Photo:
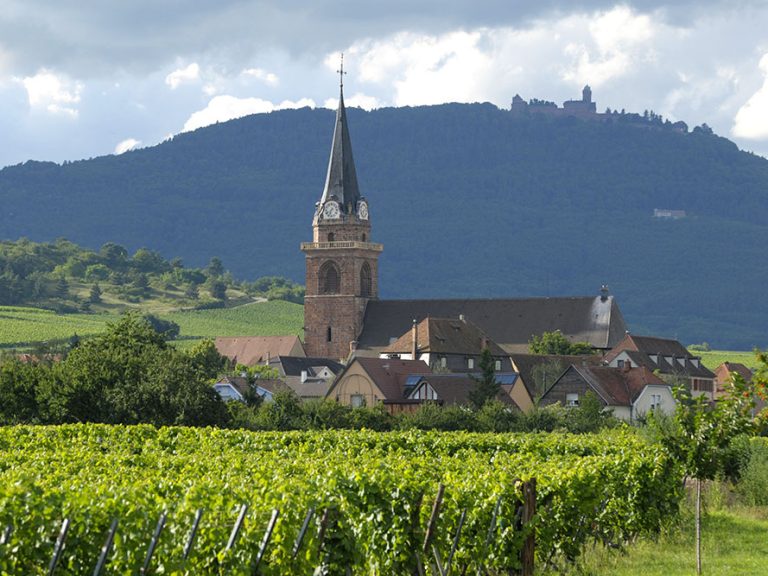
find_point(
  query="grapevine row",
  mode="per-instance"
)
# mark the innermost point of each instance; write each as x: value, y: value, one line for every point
x: 379, y: 486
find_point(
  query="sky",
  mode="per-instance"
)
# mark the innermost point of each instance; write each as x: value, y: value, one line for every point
x: 86, y: 78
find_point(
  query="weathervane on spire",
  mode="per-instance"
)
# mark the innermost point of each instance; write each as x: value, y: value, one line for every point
x: 341, y: 72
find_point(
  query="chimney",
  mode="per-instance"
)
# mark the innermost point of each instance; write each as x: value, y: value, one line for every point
x: 604, y: 293
x: 462, y: 318
x: 414, y: 341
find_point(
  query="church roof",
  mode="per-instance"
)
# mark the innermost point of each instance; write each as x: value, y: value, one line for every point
x: 509, y: 322
x: 251, y: 350
x: 445, y: 336
x: 341, y: 180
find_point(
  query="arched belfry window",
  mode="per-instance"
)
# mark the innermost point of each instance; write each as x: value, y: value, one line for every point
x: 366, y: 284
x: 330, y: 278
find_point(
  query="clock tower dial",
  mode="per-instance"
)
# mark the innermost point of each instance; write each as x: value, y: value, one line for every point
x: 362, y: 210
x: 331, y: 210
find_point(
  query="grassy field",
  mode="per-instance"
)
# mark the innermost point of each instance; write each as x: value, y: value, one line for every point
x: 714, y: 358
x: 255, y: 319
x: 733, y: 543
x: 23, y: 327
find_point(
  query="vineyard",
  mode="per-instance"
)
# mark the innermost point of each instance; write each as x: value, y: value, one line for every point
x: 372, y: 495
x: 22, y: 327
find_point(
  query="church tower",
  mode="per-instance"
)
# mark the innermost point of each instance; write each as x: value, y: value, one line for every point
x: 342, y: 262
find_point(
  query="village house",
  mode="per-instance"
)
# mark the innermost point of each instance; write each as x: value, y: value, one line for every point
x: 447, y: 389
x: 368, y: 381
x: 310, y: 378
x: 447, y: 345
x: 629, y: 393
x: 238, y: 388
x: 539, y: 371
x: 668, y: 358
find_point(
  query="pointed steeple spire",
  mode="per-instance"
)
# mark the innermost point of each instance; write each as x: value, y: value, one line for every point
x: 341, y: 180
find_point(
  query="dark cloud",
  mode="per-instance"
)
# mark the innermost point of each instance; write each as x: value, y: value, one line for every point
x: 90, y: 38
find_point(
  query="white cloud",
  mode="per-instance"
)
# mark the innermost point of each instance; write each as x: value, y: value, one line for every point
x: 55, y: 94
x: 127, y: 144
x: 357, y: 100
x: 268, y: 78
x: 426, y: 69
x: 225, y: 107
x: 183, y: 76
x: 751, y: 120
x: 618, y: 40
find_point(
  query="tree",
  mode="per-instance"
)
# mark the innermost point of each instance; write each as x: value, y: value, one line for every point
x: 556, y: 343
x: 486, y: 386
x: 206, y: 358
x: 62, y: 287
x: 94, y: 297
x: 217, y: 289
x: 544, y: 374
x: 168, y: 329
x: 699, y: 435
x: 215, y: 267
x: 129, y: 375
x: 114, y: 255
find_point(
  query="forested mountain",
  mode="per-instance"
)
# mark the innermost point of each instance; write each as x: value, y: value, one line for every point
x: 468, y: 200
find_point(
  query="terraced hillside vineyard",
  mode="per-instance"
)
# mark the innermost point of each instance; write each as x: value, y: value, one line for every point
x: 603, y: 487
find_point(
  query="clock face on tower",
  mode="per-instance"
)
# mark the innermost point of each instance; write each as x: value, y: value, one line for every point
x: 362, y: 211
x: 331, y: 210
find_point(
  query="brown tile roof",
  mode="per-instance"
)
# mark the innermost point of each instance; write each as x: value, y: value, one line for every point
x: 509, y: 322
x: 617, y: 386
x: 724, y: 371
x: 390, y: 374
x: 726, y: 368
x: 251, y: 350
x: 642, y: 349
x: 445, y: 336
x: 527, y: 364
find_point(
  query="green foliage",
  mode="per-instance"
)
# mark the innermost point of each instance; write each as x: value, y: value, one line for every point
x: 168, y: 329
x: 53, y: 275
x: 486, y: 386
x: 588, y: 416
x: 603, y: 487
x: 752, y: 486
x: 699, y: 433
x: 207, y: 359
x: 556, y: 343
x: 128, y: 374
x: 94, y: 297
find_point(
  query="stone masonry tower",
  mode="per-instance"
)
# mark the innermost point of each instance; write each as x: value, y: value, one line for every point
x: 342, y: 262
